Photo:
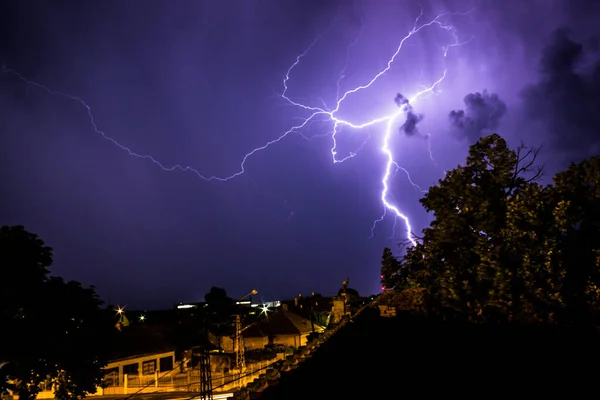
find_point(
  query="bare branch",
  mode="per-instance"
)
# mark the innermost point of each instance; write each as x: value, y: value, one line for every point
x: 526, y: 158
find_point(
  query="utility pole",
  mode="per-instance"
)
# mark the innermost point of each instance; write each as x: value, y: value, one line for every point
x: 240, y: 357
x: 204, y: 364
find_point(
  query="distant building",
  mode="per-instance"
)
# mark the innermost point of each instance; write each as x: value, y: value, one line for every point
x: 280, y: 328
x: 190, y: 306
x: 340, y: 310
x: 138, y: 366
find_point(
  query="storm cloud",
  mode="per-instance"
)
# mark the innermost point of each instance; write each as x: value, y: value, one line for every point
x: 482, y: 115
x: 566, y: 98
x: 409, y: 127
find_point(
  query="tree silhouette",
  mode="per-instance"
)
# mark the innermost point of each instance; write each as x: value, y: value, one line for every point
x: 220, y: 309
x: 390, y: 268
x: 24, y: 262
x: 82, y: 334
x: 575, y: 201
x: 503, y: 247
x: 55, y: 331
x: 217, y: 297
x: 468, y: 260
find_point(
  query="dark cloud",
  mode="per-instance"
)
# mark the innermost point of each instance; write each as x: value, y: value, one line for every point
x: 566, y: 99
x: 400, y: 100
x: 409, y: 127
x: 482, y: 115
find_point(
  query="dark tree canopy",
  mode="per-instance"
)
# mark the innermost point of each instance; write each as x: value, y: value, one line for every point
x: 575, y: 198
x: 390, y: 268
x: 220, y: 307
x: 502, y: 247
x: 24, y: 262
x: 216, y: 295
x: 56, y: 330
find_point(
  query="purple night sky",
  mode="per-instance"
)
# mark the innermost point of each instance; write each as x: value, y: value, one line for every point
x: 200, y: 83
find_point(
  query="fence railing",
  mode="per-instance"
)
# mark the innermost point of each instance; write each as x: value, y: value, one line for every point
x: 188, y: 381
x: 175, y: 381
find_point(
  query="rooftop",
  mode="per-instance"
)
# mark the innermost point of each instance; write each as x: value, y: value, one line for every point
x: 280, y: 323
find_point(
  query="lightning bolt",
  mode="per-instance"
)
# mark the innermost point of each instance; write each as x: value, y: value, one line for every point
x: 391, y: 165
x: 317, y: 114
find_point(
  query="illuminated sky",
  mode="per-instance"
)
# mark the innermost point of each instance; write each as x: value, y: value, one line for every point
x: 200, y: 85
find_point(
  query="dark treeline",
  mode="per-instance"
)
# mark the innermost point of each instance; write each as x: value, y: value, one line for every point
x: 52, y: 330
x: 60, y: 335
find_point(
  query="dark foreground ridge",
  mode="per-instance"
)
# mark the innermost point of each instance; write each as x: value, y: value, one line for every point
x: 404, y: 356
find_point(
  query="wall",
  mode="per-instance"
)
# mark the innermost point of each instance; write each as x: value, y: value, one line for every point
x: 339, y: 310
x: 286, y: 340
x: 220, y: 362
x: 252, y: 343
x: 226, y: 344
x: 123, y: 364
x: 291, y: 340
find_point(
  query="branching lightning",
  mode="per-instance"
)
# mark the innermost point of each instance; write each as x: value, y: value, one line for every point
x: 391, y: 165
x: 317, y: 114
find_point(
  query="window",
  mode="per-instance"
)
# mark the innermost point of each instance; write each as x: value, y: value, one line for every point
x: 166, y: 364
x: 130, y: 369
x: 148, y: 367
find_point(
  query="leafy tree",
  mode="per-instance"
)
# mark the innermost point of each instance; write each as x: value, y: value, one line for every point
x: 469, y: 259
x: 56, y: 331
x: 219, y: 305
x: 390, y: 268
x: 219, y: 312
x: 576, y: 210
x: 502, y: 247
x: 409, y: 299
x: 81, y: 333
x: 24, y: 262
x: 322, y: 318
x: 393, y: 274
x: 216, y: 295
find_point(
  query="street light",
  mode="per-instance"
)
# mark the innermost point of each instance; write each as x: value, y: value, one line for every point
x: 264, y: 309
x: 123, y: 321
x: 252, y: 293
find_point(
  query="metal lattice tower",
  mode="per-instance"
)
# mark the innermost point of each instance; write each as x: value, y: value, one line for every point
x: 240, y: 358
x: 205, y: 372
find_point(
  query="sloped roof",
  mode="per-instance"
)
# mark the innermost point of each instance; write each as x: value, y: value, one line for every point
x: 254, y: 330
x: 280, y: 323
x: 303, y: 325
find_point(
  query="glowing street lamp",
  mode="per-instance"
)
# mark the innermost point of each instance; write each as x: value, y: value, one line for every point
x: 264, y: 309
x: 123, y: 321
